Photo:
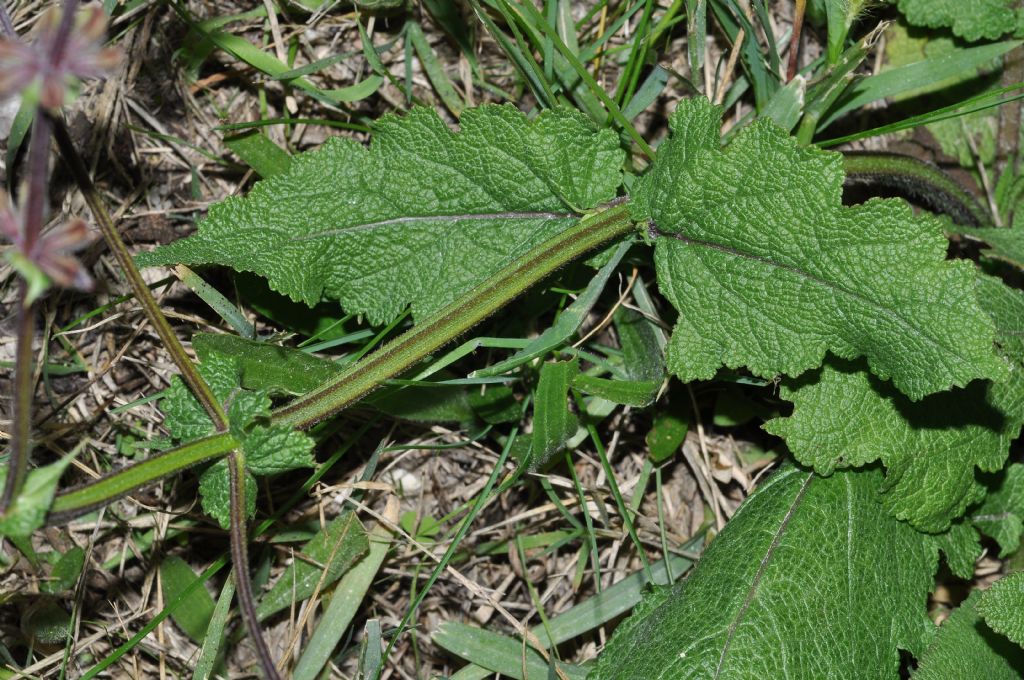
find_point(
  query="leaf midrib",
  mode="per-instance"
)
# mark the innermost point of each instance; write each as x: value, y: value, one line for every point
x: 762, y: 567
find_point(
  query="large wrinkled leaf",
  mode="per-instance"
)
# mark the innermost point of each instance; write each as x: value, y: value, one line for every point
x: 1001, y: 515
x: 419, y: 217
x: 966, y: 649
x: 811, y: 578
x: 845, y: 417
x: 1002, y: 605
x: 969, y: 19
x: 769, y: 270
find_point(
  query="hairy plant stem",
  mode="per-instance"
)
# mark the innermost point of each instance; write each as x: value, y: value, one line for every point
x: 21, y: 427
x: 387, y: 362
x: 145, y: 298
x: 34, y: 208
x: 923, y: 183
x: 794, y: 42
x: 455, y: 319
x: 195, y: 381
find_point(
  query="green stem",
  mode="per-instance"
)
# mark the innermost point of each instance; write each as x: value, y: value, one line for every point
x: 926, y: 184
x: 455, y: 319
x: 390, y: 360
x: 145, y: 298
x: 21, y: 425
x: 80, y: 500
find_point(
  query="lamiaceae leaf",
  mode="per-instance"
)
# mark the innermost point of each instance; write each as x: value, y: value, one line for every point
x: 972, y: 20
x: 769, y: 270
x: 184, y: 416
x: 811, y: 578
x: 845, y: 417
x: 215, y: 493
x: 966, y: 649
x: 1001, y: 515
x: 1002, y: 606
x: 419, y: 217
x: 1005, y: 244
x: 268, y: 449
x: 961, y: 547
x: 1006, y: 307
x: 277, y: 448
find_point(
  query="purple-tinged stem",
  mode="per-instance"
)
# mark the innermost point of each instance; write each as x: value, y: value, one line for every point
x: 32, y: 224
x: 21, y: 429
x: 67, y: 22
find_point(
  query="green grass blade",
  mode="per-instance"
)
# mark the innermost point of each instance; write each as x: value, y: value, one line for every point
x: 981, y: 102
x: 344, y: 604
x: 217, y: 302
x: 434, y: 70
x: 916, y: 76
x: 215, y: 634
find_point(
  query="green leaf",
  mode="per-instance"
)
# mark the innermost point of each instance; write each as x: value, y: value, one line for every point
x: 1006, y: 307
x: 269, y: 449
x: 498, y: 653
x: 810, y: 579
x: 965, y: 649
x: 667, y: 434
x: 769, y: 270
x: 193, y: 616
x: 638, y: 393
x: 215, y: 493
x: 641, y: 344
x: 1004, y: 244
x: 974, y: 20
x: 344, y: 605
x: 845, y: 417
x: 245, y: 409
x: 335, y: 548
x: 553, y: 422
x: 259, y: 153
x: 1002, y: 606
x: 27, y: 511
x: 1001, y: 515
x: 418, y: 218
x: 184, y: 416
x: 65, y: 573
x: 266, y: 366
x: 277, y: 448
x: 961, y: 547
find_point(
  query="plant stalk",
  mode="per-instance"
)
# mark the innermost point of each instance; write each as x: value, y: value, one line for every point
x: 387, y: 362
x: 32, y: 225
x: 195, y: 381
x: 149, y: 304
x: 455, y: 319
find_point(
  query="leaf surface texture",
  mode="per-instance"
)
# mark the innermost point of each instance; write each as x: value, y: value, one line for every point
x: 769, y: 270
x: 419, y: 217
x: 811, y: 578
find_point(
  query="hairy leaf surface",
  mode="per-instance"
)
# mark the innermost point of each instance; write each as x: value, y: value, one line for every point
x: 1001, y: 515
x: 769, y: 270
x: 966, y: 649
x: 1002, y: 606
x: 845, y: 417
x: 969, y: 19
x: 811, y: 578
x: 417, y: 218
x: 269, y: 449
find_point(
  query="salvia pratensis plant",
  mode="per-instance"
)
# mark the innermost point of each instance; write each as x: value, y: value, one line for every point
x: 900, y: 368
